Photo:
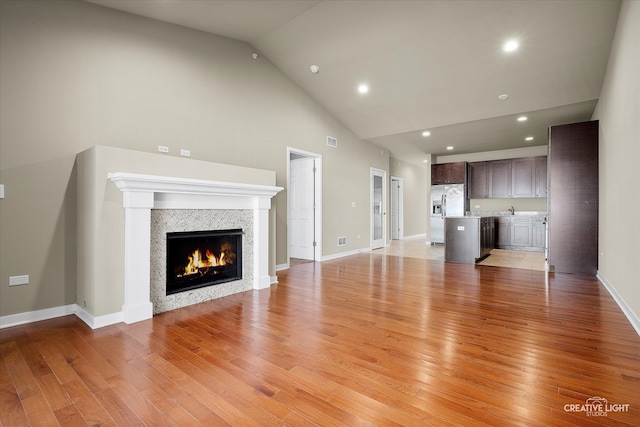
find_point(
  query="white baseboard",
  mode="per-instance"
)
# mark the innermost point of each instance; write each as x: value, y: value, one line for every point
x: 344, y: 254
x: 415, y: 236
x: 51, y: 313
x: 628, y: 312
x: 274, y: 280
x: 95, y: 322
x: 282, y: 267
x: 36, y: 316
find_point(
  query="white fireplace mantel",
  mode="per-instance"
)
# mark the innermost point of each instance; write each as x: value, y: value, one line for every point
x: 141, y: 193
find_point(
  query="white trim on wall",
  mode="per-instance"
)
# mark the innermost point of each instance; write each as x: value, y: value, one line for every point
x: 36, y: 316
x: 628, y: 312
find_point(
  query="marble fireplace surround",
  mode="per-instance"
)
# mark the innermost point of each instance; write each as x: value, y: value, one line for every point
x: 141, y: 193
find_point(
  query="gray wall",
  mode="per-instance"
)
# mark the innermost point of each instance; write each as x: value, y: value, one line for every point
x: 74, y: 75
x: 619, y: 156
x: 414, y: 181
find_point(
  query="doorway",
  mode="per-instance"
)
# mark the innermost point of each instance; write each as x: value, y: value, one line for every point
x: 397, y: 202
x: 378, y: 208
x: 304, y: 211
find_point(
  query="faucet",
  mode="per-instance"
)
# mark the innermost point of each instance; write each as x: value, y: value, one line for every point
x: 512, y: 210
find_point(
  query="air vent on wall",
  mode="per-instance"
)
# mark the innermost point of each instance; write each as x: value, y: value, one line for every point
x: 342, y: 241
x: 332, y: 142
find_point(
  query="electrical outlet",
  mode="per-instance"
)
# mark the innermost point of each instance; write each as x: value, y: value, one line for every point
x: 185, y: 153
x: 19, y: 280
x: 163, y: 149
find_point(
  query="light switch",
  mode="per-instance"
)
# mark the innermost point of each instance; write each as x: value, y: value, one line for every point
x: 1, y: 191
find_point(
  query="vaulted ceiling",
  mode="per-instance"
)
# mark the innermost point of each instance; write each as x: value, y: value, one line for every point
x: 430, y: 65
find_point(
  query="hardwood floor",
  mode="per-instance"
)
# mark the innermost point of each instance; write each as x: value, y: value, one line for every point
x: 370, y: 339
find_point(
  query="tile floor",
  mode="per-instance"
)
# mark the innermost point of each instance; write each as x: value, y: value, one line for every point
x: 515, y: 259
x: 416, y: 248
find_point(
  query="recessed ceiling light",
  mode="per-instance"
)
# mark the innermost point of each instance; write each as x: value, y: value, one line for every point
x: 314, y: 69
x: 511, y: 45
x: 255, y: 55
x: 363, y: 88
x: 426, y: 133
x: 503, y: 97
x: 529, y: 138
x: 450, y: 147
x: 522, y: 118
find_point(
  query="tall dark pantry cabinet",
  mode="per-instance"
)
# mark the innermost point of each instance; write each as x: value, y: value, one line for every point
x: 573, y: 198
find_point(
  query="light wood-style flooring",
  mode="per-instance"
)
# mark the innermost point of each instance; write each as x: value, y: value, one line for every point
x: 370, y: 339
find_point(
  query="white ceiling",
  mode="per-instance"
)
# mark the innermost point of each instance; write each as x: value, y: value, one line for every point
x: 434, y: 65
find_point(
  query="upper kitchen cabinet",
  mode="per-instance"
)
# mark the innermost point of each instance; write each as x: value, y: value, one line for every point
x: 541, y: 176
x: 529, y: 177
x: 523, y: 177
x: 478, y: 180
x: 573, y: 198
x: 500, y: 179
x: 509, y: 178
x: 449, y: 173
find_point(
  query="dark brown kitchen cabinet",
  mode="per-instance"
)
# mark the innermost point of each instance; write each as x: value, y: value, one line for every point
x: 479, y: 180
x: 503, y: 237
x: 523, y: 177
x: 509, y: 178
x: 449, y: 173
x: 529, y: 177
x: 521, y: 232
x: 573, y: 198
x: 500, y: 179
x: 541, y: 176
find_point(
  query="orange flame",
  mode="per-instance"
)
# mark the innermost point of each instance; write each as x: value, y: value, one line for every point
x: 197, y: 261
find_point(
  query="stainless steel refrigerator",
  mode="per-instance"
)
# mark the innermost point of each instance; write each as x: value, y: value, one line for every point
x: 446, y: 200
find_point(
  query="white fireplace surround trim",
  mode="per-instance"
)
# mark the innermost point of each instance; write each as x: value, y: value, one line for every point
x: 141, y: 193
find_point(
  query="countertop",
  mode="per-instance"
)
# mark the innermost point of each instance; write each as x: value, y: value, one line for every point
x: 471, y: 216
x: 480, y: 214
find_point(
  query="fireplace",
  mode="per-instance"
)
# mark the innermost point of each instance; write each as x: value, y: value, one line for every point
x: 157, y: 205
x: 197, y: 259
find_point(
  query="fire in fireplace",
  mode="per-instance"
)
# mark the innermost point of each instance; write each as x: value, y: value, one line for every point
x: 196, y: 259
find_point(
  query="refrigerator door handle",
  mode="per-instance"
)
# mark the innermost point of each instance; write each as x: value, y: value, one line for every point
x: 444, y: 205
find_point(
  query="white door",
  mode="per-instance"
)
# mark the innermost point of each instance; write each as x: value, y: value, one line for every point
x: 378, y: 208
x: 396, y: 208
x: 301, y: 208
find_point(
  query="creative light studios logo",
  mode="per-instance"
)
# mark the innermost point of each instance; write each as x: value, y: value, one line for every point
x: 596, y: 407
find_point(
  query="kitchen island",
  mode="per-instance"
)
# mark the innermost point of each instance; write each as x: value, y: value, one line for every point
x: 469, y: 239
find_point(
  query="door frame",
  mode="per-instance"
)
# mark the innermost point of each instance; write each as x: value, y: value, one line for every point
x: 383, y: 174
x: 400, y: 207
x: 317, y: 220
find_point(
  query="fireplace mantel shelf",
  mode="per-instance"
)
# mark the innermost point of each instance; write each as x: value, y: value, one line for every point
x: 165, y: 184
